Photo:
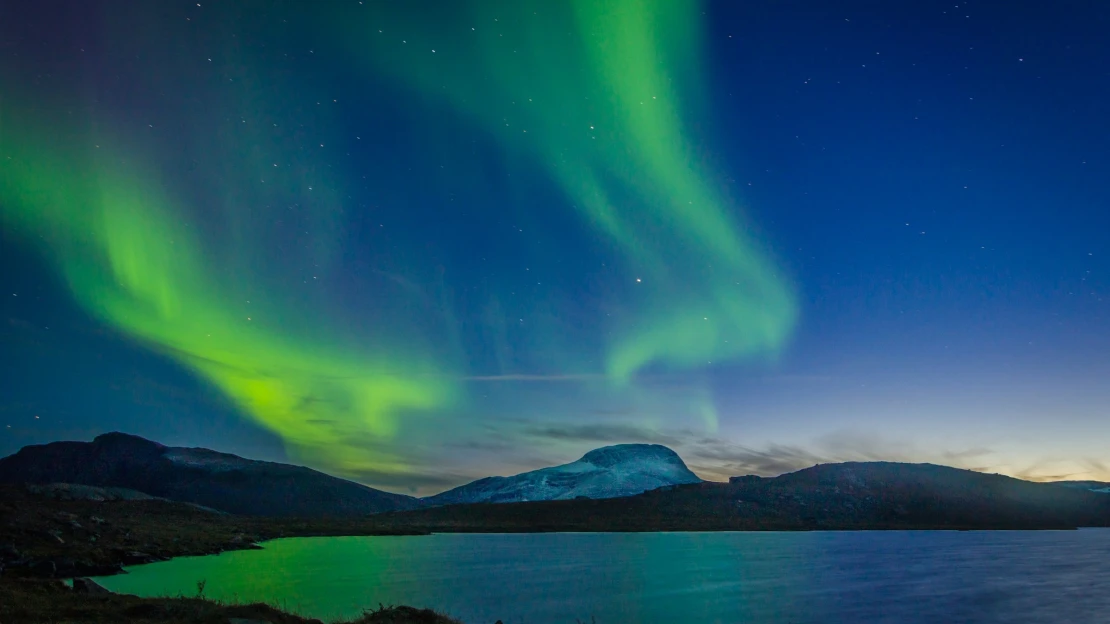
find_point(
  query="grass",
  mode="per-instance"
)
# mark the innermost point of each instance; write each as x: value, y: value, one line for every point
x: 52, y: 602
x: 43, y: 537
x: 43, y: 540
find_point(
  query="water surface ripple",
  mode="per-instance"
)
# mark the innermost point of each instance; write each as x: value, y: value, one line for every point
x: 1009, y: 577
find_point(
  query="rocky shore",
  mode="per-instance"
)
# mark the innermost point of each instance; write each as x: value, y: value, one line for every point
x: 50, y: 534
x: 66, y: 531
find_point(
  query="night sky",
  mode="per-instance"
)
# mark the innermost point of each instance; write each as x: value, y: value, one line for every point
x: 417, y: 243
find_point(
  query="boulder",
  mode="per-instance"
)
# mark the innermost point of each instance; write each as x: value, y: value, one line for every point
x: 43, y: 568
x: 135, y: 557
x: 8, y: 552
x: 88, y: 586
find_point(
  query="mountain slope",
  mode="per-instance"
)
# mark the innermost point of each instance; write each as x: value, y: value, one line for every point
x: 218, y: 480
x: 1101, y: 487
x: 608, y: 472
x: 870, y: 495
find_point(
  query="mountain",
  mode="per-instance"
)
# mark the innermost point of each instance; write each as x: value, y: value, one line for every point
x: 1101, y: 487
x: 217, y: 480
x: 857, y: 495
x: 608, y: 472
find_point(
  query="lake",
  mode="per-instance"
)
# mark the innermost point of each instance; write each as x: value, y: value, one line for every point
x: 656, y: 578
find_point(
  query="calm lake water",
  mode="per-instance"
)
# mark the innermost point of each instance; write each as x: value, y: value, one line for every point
x: 664, y: 578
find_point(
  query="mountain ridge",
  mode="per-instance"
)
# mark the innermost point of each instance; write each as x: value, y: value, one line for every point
x: 608, y: 472
x: 847, y: 496
x: 221, y: 481
x: 619, y: 487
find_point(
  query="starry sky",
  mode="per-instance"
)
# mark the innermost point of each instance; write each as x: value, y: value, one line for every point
x: 417, y: 243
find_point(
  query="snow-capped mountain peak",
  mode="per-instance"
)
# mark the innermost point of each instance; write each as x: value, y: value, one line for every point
x: 608, y: 472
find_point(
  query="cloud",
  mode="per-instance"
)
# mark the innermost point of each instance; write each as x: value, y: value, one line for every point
x: 798, y: 378
x: 1028, y: 476
x: 720, y: 459
x: 711, y: 457
x: 614, y: 412
x: 615, y: 434
x: 851, y: 445
x: 1097, y: 469
x: 522, y: 377
x: 411, y: 482
x: 967, y: 454
x: 483, y: 445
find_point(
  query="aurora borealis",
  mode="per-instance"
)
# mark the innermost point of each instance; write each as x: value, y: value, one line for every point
x: 410, y: 242
x: 130, y: 256
x: 593, y: 92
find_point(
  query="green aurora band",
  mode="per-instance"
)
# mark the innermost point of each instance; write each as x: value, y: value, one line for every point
x: 592, y: 91
x: 128, y: 259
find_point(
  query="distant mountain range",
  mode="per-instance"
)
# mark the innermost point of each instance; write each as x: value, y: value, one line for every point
x: 609, y: 472
x: 218, y: 480
x: 868, y: 495
x: 627, y: 487
x: 1101, y: 487
x: 236, y: 485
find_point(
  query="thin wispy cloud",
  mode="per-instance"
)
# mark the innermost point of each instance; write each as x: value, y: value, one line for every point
x: 523, y: 377
x: 603, y: 433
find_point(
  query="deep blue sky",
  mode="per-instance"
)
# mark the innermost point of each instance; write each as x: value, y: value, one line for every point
x: 931, y: 178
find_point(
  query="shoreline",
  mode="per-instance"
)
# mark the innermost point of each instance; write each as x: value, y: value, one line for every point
x: 51, y: 600
x: 45, y: 540
x: 51, y: 538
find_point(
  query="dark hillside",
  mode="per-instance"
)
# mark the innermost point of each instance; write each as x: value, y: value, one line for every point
x: 876, y: 495
x: 217, y: 480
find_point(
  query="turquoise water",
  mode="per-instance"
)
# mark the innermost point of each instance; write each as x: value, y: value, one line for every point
x: 663, y: 578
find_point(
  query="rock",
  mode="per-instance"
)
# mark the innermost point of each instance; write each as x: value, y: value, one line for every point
x: 135, y: 557
x: 88, y: 586
x: 17, y: 564
x: 96, y: 519
x: 65, y: 566
x: 88, y: 568
x: 8, y: 551
x: 746, y: 479
x: 43, y: 568
x: 79, y: 492
x: 246, y: 621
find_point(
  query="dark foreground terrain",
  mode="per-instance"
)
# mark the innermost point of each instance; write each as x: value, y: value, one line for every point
x: 45, y: 538
x: 56, y: 531
x: 195, y: 475
x: 50, y: 532
x: 49, y: 602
